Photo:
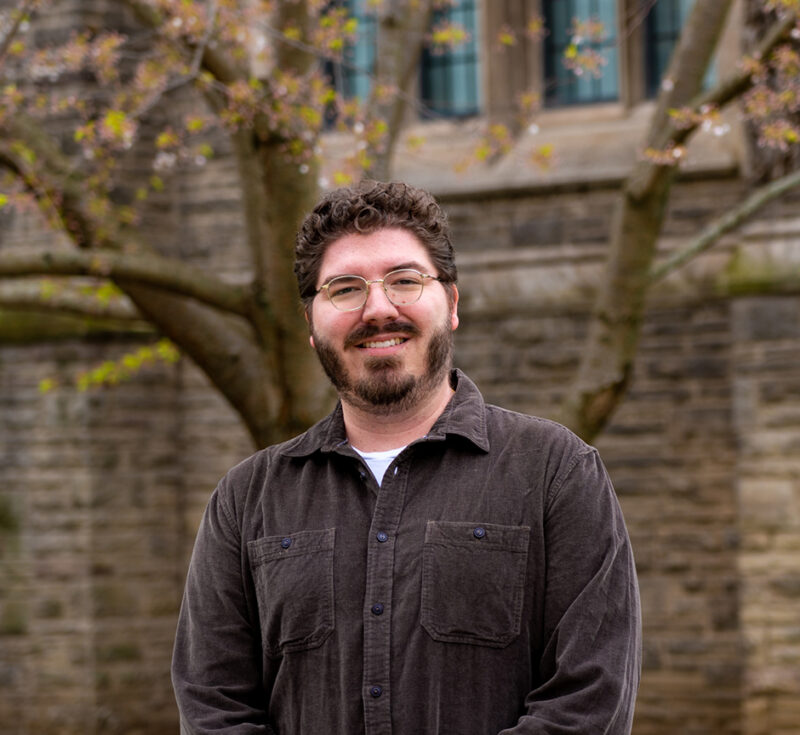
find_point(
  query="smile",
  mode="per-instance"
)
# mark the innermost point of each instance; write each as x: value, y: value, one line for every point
x: 383, y: 343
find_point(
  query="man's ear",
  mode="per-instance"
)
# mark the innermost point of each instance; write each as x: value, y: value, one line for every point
x: 454, y: 308
x: 308, y: 321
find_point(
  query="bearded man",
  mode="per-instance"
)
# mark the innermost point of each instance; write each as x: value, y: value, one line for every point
x: 419, y: 562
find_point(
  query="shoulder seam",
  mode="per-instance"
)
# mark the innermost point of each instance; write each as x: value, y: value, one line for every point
x: 561, y: 479
x: 225, y: 498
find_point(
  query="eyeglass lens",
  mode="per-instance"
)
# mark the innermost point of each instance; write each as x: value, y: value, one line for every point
x: 350, y: 292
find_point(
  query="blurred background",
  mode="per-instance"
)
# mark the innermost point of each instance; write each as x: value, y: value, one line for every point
x: 621, y: 181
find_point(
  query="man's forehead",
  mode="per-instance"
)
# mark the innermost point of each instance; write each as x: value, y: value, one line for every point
x: 382, y: 250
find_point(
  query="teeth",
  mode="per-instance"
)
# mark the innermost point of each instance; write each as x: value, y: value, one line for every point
x: 385, y: 343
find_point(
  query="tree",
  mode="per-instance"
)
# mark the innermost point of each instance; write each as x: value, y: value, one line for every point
x: 259, y: 66
x: 270, y: 99
x: 682, y: 106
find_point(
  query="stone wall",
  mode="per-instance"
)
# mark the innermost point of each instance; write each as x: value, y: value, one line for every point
x: 767, y: 408
x: 671, y: 454
x: 100, y: 492
x: 702, y: 452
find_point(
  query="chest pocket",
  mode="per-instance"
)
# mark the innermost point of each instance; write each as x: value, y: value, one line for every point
x: 473, y: 580
x: 293, y: 577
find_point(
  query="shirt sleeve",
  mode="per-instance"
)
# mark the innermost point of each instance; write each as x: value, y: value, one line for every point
x: 216, y: 664
x: 590, y: 664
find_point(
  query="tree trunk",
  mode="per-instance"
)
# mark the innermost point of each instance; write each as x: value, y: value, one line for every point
x: 616, y: 319
x: 402, y: 25
x: 288, y: 195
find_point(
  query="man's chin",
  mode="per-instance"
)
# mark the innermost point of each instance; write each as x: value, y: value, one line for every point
x: 384, y: 387
x: 382, y: 383
x: 382, y: 364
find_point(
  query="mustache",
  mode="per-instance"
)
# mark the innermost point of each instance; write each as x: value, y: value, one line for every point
x: 366, y: 331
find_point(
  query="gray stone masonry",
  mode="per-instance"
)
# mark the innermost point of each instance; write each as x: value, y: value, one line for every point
x: 101, y: 492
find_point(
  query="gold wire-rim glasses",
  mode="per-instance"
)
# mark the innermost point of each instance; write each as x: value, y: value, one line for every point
x: 400, y: 291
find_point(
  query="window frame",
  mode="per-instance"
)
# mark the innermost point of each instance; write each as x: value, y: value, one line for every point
x: 553, y: 50
x: 353, y: 76
x: 464, y: 61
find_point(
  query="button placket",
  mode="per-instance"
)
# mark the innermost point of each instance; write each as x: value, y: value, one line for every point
x: 378, y: 594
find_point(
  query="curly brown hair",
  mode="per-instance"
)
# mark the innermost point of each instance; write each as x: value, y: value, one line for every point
x: 363, y: 209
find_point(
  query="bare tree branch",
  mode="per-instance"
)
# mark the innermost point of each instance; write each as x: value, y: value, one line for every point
x: 38, y: 296
x: 729, y: 89
x: 56, y: 185
x: 401, y: 37
x: 150, y: 16
x: 210, y: 57
x: 224, y: 348
x: 154, y: 270
x: 728, y: 222
x: 26, y: 325
x: 19, y: 15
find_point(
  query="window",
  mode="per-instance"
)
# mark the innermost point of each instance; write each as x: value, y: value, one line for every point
x: 352, y: 77
x: 449, y: 79
x: 563, y: 86
x: 664, y: 23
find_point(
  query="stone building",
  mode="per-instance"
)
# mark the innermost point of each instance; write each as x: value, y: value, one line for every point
x: 101, y: 491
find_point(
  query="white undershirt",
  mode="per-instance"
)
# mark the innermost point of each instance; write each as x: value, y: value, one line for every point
x: 379, y: 461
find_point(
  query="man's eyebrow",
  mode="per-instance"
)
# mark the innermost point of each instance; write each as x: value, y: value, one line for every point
x: 413, y: 264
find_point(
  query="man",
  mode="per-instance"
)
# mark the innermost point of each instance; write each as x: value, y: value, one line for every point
x: 418, y: 562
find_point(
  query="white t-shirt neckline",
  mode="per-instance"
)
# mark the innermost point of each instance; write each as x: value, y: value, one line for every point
x: 378, y: 462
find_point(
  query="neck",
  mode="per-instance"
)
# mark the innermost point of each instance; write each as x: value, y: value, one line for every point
x: 375, y: 431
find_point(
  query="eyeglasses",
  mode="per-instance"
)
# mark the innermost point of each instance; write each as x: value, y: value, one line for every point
x: 402, y: 287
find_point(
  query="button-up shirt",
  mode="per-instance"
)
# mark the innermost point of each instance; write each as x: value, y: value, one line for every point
x: 486, y: 586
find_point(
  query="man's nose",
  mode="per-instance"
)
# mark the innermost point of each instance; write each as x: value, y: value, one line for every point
x: 377, y: 306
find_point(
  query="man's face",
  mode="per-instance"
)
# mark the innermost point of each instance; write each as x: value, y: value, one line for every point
x: 382, y: 356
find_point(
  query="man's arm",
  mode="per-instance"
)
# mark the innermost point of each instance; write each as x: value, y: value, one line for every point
x: 591, y: 659
x: 216, y: 665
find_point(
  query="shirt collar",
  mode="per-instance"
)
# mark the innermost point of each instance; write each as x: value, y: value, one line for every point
x: 464, y: 415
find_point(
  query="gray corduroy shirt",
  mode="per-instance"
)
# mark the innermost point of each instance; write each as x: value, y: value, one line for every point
x: 487, y: 586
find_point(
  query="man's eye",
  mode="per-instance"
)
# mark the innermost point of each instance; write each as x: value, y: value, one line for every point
x: 347, y: 288
x: 405, y: 282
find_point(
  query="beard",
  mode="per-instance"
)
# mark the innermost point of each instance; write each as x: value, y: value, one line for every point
x: 386, y: 388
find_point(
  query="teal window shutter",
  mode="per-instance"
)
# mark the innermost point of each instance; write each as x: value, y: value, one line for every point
x: 449, y: 78
x: 562, y: 85
x: 664, y: 23
x: 359, y: 57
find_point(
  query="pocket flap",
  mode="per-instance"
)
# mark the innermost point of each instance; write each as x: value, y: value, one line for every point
x: 280, y: 547
x: 489, y: 535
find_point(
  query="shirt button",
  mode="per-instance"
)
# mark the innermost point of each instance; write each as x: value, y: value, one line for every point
x: 375, y: 692
x: 377, y: 609
x: 382, y: 537
x: 479, y: 532
x: 286, y: 543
